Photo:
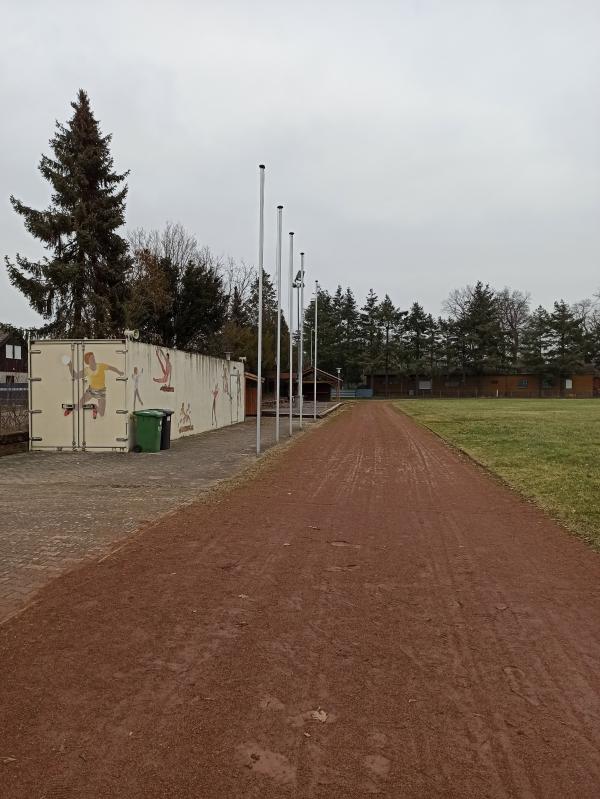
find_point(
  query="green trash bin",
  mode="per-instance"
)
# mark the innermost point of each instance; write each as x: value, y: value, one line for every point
x: 148, y: 426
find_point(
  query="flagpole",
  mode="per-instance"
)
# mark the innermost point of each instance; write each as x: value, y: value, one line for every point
x: 261, y: 242
x: 278, y: 378
x: 301, y: 331
x: 291, y: 324
x: 315, y: 371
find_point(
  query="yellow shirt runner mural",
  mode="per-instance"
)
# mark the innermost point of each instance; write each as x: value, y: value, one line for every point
x: 95, y: 374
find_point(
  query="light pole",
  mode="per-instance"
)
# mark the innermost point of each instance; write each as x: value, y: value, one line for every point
x: 261, y: 242
x: 291, y: 321
x: 299, y: 284
x: 278, y: 371
x: 301, y: 329
x: 339, y: 369
x: 316, y: 334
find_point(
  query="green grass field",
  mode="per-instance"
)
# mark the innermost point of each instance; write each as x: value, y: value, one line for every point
x: 549, y: 450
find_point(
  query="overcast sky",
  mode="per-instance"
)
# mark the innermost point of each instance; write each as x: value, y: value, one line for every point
x: 417, y: 145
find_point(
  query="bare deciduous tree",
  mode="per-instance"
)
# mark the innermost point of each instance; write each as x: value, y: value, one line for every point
x: 238, y: 276
x: 513, y: 306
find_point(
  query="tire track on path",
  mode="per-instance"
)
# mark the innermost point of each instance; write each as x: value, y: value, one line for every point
x: 444, y: 632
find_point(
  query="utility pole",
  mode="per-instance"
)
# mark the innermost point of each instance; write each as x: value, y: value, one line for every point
x: 316, y: 334
x: 278, y: 370
x: 261, y: 243
x: 291, y: 321
x: 301, y: 332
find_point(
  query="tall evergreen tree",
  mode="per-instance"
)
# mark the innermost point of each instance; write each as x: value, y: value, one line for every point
x: 350, y: 362
x: 389, y: 318
x: 81, y: 287
x: 535, y: 343
x: 269, y: 337
x: 238, y: 313
x: 479, y: 332
x: 566, y: 341
x: 415, y: 340
x: 370, y: 335
x: 201, y: 308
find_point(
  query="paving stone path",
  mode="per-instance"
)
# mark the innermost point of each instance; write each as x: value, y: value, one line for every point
x: 60, y: 508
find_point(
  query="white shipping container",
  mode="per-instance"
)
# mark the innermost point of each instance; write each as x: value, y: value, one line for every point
x: 83, y: 392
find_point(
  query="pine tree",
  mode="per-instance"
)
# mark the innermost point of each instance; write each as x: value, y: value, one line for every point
x: 81, y: 288
x: 269, y: 337
x: 350, y: 361
x: 535, y: 343
x: 389, y: 318
x: 415, y: 335
x: 238, y: 313
x: 201, y: 307
x: 479, y: 336
x: 566, y: 341
x: 370, y: 335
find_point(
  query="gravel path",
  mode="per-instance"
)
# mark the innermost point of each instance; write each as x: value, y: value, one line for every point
x: 371, y: 614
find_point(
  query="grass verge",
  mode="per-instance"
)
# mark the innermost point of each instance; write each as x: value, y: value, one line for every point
x: 549, y: 450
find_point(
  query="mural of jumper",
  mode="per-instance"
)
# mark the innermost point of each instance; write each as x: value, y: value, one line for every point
x: 95, y: 374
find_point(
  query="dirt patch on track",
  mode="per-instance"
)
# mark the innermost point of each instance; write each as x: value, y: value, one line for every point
x: 370, y: 615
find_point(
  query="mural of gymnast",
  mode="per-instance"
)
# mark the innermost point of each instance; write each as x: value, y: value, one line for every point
x: 164, y: 361
x: 185, y: 419
x: 95, y: 374
x: 215, y: 394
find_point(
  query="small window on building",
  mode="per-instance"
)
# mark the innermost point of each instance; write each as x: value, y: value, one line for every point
x: 523, y: 383
x: 9, y: 351
x: 17, y: 352
x: 568, y: 383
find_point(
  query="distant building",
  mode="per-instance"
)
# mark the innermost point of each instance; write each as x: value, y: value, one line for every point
x: 579, y: 384
x: 13, y: 357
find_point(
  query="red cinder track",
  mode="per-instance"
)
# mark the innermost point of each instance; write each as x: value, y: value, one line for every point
x: 371, y: 614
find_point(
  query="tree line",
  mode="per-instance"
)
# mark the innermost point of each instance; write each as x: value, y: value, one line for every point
x: 94, y: 283
x: 483, y: 331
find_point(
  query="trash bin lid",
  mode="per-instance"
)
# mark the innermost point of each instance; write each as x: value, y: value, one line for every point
x: 149, y: 412
x: 163, y: 411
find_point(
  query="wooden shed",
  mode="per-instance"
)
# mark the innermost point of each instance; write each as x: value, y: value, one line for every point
x: 328, y: 385
x: 251, y: 393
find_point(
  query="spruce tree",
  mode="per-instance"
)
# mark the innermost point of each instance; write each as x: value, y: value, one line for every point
x: 370, y: 335
x: 351, y: 351
x: 480, y: 332
x: 201, y: 308
x: 81, y: 287
x: 535, y: 344
x: 566, y: 341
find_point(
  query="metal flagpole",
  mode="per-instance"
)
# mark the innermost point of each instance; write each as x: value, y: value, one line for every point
x: 278, y: 378
x: 315, y: 373
x: 261, y: 242
x: 301, y: 331
x: 291, y: 323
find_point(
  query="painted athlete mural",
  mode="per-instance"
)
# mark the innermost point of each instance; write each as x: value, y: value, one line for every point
x: 95, y: 375
x: 164, y: 361
x: 135, y: 377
